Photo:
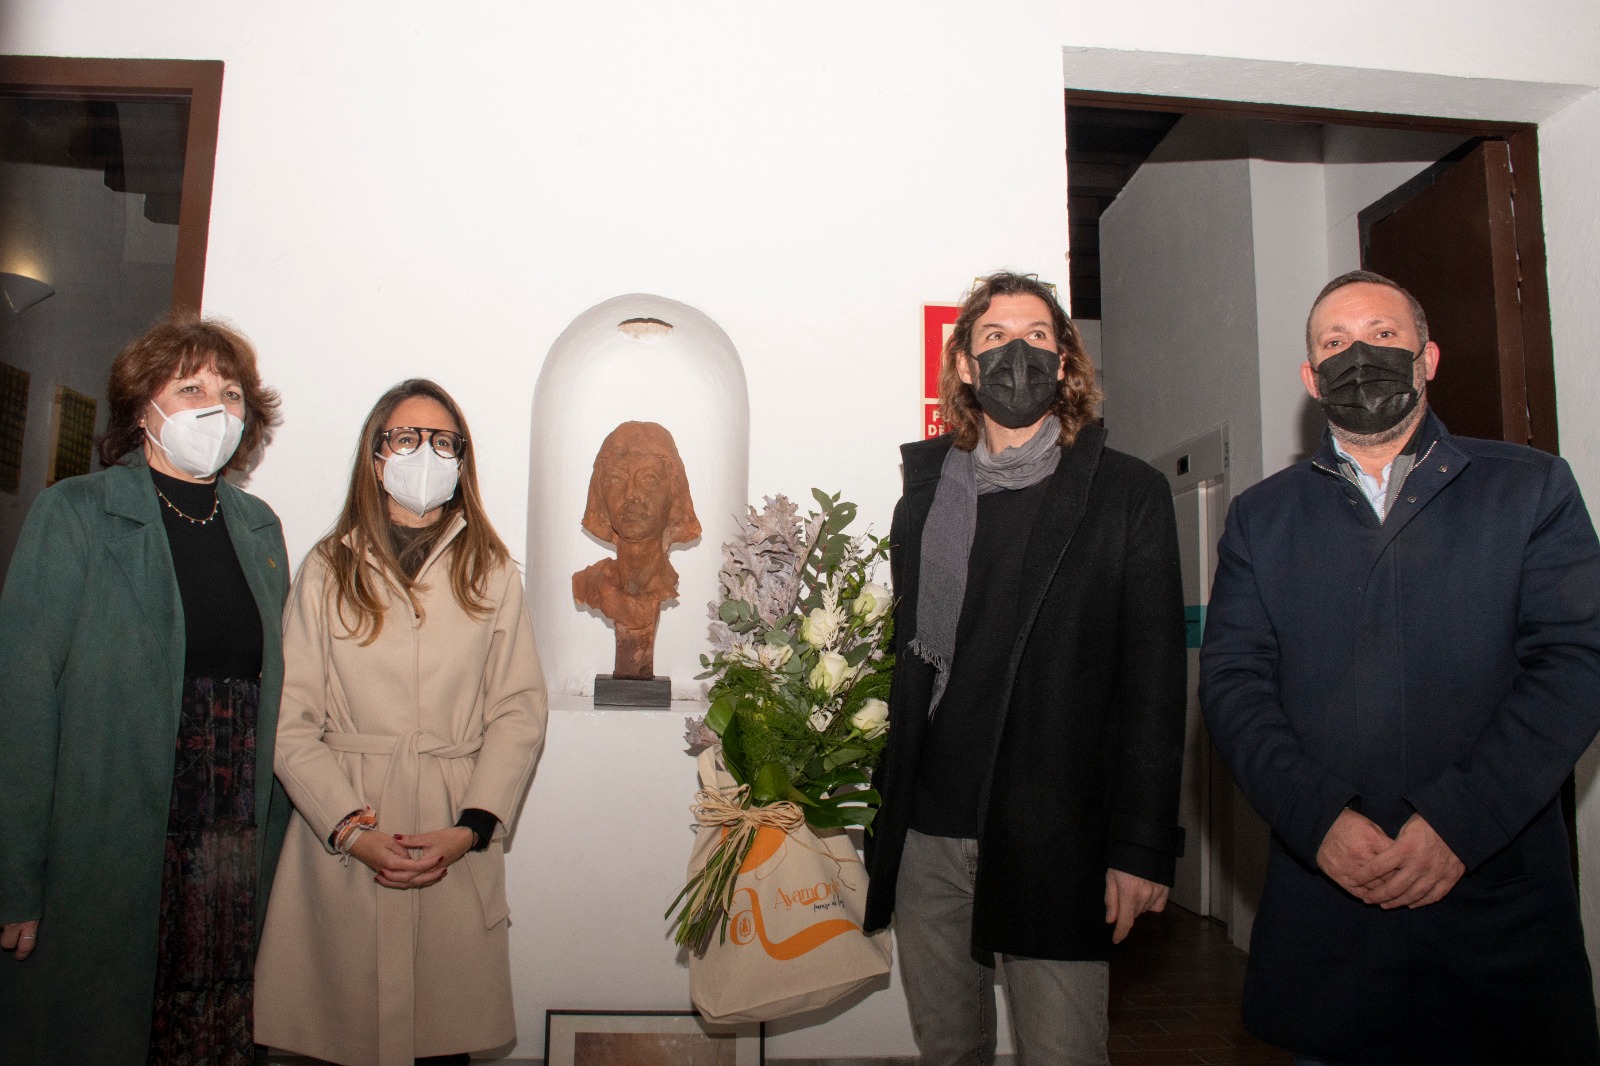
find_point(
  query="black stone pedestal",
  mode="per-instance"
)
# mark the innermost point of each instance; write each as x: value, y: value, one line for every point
x: 632, y: 691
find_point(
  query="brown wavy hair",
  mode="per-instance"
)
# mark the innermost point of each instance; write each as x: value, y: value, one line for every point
x: 1078, y: 398
x: 177, y: 347
x: 358, y: 551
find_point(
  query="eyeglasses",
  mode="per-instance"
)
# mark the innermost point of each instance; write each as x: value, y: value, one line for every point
x: 403, y: 440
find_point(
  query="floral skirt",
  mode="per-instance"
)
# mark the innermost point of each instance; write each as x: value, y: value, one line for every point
x: 206, y: 954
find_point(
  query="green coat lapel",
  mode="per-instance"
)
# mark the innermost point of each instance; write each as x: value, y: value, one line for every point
x: 139, y: 547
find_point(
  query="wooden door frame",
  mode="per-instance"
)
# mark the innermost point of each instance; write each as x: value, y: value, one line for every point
x: 195, y: 81
x: 1523, y: 141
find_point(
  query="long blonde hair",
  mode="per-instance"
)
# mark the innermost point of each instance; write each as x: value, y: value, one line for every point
x: 360, y: 538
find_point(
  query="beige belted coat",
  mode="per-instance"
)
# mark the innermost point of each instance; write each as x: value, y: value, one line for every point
x: 440, y: 713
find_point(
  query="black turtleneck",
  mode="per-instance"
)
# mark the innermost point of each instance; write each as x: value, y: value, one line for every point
x: 958, y: 746
x: 222, y: 626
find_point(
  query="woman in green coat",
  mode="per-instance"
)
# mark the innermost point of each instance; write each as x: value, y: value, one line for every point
x: 140, y: 667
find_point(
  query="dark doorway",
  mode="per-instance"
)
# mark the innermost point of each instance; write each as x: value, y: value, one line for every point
x: 105, y: 202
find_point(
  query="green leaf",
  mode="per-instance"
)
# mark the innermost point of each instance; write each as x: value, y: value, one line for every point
x: 771, y: 784
x: 843, y: 757
x: 733, y: 753
x: 839, y: 817
x: 858, y: 654
x: 720, y: 714
x: 854, y: 798
x: 823, y: 499
x: 840, y: 776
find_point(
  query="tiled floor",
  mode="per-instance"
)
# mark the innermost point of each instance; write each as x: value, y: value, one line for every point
x: 1175, y: 997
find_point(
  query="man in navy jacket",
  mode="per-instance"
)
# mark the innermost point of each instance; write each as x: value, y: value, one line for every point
x: 1401, y: 666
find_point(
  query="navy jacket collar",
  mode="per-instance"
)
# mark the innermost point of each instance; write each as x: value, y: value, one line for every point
x: 1430, y: 432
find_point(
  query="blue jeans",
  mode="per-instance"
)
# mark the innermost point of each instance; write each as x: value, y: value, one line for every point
x: 1058, y: 1009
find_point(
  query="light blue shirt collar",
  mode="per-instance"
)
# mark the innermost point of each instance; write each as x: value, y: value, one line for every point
x: 1375, y: 489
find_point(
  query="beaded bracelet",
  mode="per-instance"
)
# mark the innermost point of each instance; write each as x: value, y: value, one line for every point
x: 351, y: 826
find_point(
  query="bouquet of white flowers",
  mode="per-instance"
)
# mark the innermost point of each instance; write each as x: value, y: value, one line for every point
x: 801, y: 665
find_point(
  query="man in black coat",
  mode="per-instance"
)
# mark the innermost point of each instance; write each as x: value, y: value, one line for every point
x: 1401, y: 666
x: 1030, y: 787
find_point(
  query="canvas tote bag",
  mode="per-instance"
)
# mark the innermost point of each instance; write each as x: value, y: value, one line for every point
x: 794, y: 938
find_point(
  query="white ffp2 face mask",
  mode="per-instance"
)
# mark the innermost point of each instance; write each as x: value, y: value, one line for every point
x: 199, y: 441
x: 422, y: 480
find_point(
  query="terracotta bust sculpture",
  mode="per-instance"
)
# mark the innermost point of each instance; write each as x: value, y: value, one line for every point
x: 639, y: 502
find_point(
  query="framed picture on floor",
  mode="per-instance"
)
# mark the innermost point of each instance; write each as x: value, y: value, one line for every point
x: 648, y: 1038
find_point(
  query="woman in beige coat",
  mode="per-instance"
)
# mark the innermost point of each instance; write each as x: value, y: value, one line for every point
x: 413, y: 714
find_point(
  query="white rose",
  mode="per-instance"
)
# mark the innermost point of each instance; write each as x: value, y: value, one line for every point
x: 820, y: 720
x: 872, y: 719
x: 830, y: 672
x: 820, y: 627
x: 773, y: 656
x: 872, y: 602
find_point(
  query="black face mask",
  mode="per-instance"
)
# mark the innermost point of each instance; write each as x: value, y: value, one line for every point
x: 1017, y: 383
x: 1367, y: 389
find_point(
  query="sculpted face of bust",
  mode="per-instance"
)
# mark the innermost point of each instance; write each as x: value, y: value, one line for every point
x: 637, y: 492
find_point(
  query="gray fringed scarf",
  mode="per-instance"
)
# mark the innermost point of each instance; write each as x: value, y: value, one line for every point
x: 947, y: 535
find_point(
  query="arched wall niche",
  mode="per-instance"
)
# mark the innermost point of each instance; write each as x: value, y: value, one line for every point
x: 640, y: 358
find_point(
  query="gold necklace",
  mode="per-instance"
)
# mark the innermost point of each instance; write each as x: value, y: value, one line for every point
x: 216, y: 505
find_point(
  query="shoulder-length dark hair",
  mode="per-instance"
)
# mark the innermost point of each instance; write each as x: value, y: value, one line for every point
x: 175, y: 348
x: 1076, y: 401
x: 360, y: 538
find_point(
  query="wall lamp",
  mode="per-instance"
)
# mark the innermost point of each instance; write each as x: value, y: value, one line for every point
x: 19, y: 292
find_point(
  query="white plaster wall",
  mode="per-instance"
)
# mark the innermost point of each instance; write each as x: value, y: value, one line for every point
x: 1287, y: 201
x: 1569, y: 158
x: 403, y: 188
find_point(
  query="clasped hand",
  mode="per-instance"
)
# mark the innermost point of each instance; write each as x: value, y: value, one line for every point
x: 415, y: 861
x: 20, y: 938
x: 1413, y: 869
